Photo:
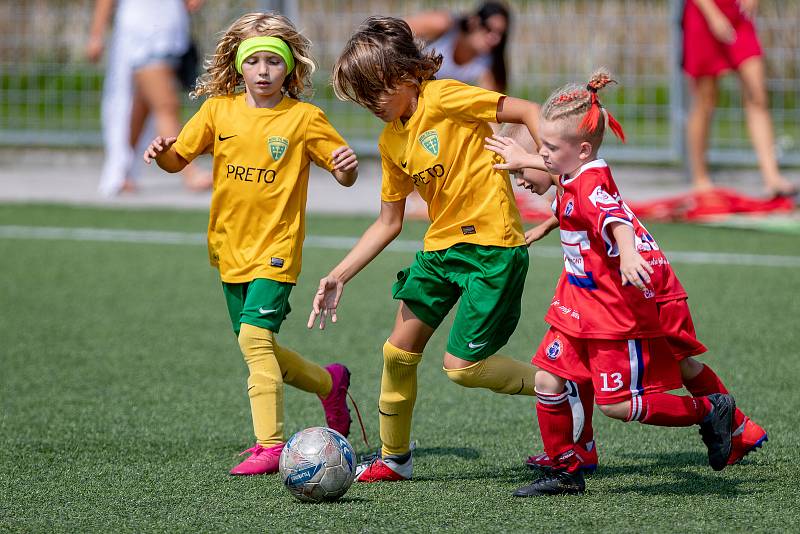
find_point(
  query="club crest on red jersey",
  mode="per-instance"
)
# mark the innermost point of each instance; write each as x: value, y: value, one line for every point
x: 277, y: 146
x: 568, y: 209
x: 553, y: 350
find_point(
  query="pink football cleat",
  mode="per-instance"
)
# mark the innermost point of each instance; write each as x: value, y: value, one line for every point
x: 337, y: 414
x: 262, y: 461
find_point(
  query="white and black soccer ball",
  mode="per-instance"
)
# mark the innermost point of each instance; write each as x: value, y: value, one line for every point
x: 318, y: 464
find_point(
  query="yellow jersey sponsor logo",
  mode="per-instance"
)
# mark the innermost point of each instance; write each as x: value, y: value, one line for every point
x: 430, y: 141
x: 277, y: 146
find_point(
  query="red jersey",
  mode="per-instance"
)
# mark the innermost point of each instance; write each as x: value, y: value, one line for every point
x: 590, y: 300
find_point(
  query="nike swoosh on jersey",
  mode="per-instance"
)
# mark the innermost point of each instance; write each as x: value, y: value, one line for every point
x: 477, y: 345
x: 221, y: 138
x: 262, y: 311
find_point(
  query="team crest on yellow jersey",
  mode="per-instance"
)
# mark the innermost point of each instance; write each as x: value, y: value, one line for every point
x: 277, y: 146
x: 430, y: 141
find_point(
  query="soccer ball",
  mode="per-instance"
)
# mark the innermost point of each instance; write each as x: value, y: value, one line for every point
x: 317, y: 464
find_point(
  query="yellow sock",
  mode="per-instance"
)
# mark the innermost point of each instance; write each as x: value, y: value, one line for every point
x: 499, y: 373
x: 398, y: 395
x: 264, y: 385
x: 303, y: 374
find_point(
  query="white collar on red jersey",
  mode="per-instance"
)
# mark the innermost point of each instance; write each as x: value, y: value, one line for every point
x: 594, y: 164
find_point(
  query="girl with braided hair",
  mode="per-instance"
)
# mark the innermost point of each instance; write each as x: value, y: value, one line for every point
x: 678, y: 327
x: 604, y: 318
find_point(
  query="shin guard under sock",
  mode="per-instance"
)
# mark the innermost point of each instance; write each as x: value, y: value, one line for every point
x: 555, y: 426
x: 264, y: 385
x: 398, y: 395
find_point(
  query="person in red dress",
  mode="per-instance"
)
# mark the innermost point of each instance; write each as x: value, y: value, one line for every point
x: 719, y: 36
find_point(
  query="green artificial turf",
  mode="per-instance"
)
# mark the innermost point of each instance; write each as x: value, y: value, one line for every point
x: 124, y: 398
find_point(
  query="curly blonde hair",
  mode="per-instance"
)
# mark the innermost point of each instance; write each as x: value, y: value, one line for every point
x: 580, y: 108
x: 221, y: 77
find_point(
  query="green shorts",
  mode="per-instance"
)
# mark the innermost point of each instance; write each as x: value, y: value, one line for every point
x: 261, y: 302
x: 488, y: 281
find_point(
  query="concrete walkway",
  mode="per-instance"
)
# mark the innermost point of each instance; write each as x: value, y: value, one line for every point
x: 71, y: 177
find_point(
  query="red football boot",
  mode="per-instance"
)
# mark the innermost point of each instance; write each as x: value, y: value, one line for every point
x: 384, y: 470
x: 587, y: 455
x: 745, y: 439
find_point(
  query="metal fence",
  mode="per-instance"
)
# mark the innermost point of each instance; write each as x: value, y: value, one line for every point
x: 50, y: 94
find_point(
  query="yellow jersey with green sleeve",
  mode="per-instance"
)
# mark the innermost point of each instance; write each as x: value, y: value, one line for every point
x: 440, y: 151
x: 261, y: 163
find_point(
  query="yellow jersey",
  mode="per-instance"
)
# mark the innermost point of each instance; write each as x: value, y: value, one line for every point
x: 440, y: 151
x: 261, y: 156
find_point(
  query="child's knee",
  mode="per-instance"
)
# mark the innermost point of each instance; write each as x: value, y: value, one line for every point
x: 620, y: 410
x: 547, y: 382
x: 394, y: 357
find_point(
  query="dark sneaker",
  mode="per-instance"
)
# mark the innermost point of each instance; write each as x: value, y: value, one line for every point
x: 555, y: 483
x: 716, y: 430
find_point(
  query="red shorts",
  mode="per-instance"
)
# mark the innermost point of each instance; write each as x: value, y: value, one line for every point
x: 678, y: 329
x: 703, y: 54
x: 620, y: 369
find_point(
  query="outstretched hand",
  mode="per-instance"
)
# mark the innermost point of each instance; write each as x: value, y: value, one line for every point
x: 158, y: 146
x: 535, y: 234
x: 507, y: 148
x: 326, y: 301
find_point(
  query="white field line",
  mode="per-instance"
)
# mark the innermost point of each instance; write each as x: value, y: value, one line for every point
x: 345, y: 243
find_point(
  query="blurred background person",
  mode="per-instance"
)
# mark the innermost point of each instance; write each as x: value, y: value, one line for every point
x: 473, y: 45
x: 718, y: 36
x: 147, y: 41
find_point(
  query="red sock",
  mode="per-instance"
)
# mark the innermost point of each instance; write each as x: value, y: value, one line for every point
x: 707, y: 382
x: 555, y: 425
x: 663, y: 409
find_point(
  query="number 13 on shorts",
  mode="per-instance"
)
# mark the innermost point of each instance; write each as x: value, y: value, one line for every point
x: 611, y: 381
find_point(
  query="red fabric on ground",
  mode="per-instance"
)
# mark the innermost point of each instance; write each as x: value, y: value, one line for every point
x: 690, y: 207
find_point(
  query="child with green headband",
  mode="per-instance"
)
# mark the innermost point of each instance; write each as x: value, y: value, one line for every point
x: 263, y: 139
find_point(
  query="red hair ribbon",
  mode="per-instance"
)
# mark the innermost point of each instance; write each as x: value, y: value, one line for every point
x: 592, y: 118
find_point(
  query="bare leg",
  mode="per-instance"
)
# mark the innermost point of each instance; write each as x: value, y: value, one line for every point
x: 139, y: 112
x: 759, y: 124
x: 157, y: 85
x: 704, y: 98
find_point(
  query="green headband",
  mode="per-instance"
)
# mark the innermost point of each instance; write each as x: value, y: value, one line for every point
x: 250, y: 46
